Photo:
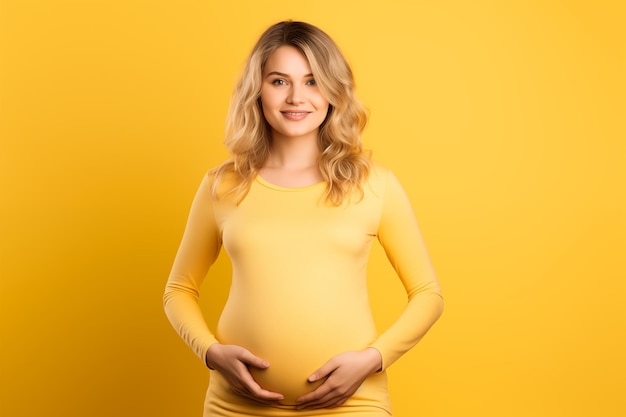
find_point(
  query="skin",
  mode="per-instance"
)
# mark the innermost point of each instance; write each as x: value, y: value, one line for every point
x: 344, y: 374
x: 294, y: 108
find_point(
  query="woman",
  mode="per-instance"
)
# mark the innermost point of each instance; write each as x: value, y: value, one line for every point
x: 297, y: 208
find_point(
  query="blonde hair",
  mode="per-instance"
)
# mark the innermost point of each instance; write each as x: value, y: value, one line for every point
x: 343, y: 163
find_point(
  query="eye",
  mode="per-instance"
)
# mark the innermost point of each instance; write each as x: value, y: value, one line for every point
x: 311, y: 82
x: 279, y: 81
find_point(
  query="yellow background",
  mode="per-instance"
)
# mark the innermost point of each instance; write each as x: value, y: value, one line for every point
x: 504, y: 120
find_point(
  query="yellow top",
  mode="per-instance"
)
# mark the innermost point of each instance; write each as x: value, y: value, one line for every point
x: 298, y: 294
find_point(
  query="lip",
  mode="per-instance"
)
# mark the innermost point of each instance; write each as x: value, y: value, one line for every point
x: 295, y: 115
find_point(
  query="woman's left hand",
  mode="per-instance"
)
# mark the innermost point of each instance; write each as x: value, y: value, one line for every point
x: 344, y: 374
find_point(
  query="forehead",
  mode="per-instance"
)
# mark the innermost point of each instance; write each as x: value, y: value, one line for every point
x: 287, y: 60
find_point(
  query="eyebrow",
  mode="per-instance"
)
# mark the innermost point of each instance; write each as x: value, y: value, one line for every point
x: 281, y: 74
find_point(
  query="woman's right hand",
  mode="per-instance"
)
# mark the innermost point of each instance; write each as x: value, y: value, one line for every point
x: 232, y: 362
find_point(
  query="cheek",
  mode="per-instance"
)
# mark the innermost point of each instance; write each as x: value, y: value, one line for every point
x: 322, y: 103
x: 263, y: 106
x: 267, y: 98
x: 326, y: 106
x: 266, y: 105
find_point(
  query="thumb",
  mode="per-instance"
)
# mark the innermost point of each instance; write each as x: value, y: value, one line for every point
x: 248, y: 358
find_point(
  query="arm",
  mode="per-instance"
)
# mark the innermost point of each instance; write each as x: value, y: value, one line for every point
x: 198, y: 250
x: 401, y: 238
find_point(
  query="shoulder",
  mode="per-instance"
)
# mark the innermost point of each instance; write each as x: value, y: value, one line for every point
x: 375, y: 185
x: 379, y: 175
x: 222, y: 178
x: 378, y: 169
x: 383, y: 183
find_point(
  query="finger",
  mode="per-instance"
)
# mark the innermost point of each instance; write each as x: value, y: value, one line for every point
x: 247, y: 394
x: 248, y: 358
x: 255, y: 390
x: 269, y: 395
x: 260, y: 400
x: 327, y: 369
x: 315, y: 396
x: 258, y: 394
x: 332, y: 399
x: 329, y: 403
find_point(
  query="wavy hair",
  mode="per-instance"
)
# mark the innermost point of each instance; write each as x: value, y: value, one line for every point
x: 343, y: 163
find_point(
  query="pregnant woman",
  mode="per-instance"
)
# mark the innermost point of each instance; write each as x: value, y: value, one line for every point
x: 296, y: 208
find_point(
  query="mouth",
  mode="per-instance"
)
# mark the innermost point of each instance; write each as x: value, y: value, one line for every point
x: 295, y: 115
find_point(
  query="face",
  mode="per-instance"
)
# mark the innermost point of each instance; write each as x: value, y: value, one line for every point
x: 291, y: 100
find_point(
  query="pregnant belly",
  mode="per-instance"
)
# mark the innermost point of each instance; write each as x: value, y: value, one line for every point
x: 288, y: 376
x: 294, y: 345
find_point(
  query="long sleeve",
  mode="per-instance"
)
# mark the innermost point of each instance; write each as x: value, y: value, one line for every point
x: 198, y: 250
x: 401, y: 238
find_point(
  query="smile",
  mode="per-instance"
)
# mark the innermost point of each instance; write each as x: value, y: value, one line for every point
x: 295, y: 115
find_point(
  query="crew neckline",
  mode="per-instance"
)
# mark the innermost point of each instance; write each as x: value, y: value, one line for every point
x: 268, y: 184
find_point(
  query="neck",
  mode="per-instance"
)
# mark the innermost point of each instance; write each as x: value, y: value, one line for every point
x: 293, y: 153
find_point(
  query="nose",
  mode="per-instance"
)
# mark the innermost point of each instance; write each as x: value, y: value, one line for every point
x: 295, y: 95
